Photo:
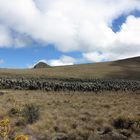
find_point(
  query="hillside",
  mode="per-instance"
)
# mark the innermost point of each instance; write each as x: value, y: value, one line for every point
x: 135, y: 60
x: 102, y: 109
x: 124, y: 69
x: 41, y: 65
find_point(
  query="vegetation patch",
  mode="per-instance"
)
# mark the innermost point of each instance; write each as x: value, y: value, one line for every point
x: 31, y: 113
x: 54, y: 116
x: 125, y: 122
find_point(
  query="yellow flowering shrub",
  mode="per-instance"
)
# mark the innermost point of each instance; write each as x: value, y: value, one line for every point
x: 21, y: 137
x: 4, y: 128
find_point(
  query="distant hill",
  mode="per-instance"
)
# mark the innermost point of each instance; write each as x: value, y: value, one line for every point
x: 41, y: 65
x: 122, y: 69
x: 134, y: 60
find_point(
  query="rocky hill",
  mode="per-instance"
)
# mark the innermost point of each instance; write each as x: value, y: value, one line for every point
x: 41, y: 65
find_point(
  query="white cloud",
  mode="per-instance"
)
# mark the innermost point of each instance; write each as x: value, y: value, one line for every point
x: 1, y: 61
x: 126, y: 43
x: 130, y: 31
x: 83, y: 25
x: 5, y: 39
x: 95, y: 57
x: 64, y: 60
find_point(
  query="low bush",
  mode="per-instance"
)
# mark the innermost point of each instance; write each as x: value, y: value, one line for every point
x: 31, y: 113
x: 123, y: 122
x: 13, y: 112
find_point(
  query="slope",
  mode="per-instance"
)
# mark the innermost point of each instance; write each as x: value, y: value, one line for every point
x: 121, y: 69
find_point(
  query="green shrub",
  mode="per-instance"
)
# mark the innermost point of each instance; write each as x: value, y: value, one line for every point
x: 31, y: 113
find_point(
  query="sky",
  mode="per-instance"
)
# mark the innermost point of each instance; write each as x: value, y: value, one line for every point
x: 67, y: 32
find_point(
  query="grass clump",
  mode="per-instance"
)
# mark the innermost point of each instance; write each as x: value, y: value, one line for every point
x: 13, y: 112
x: 125, y: 122
x: 31, y: 113
x: 3, y: 93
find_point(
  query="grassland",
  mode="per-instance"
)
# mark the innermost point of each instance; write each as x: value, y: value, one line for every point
x: 124, y: 69
x: 68, y: 115
x: 78, y: 116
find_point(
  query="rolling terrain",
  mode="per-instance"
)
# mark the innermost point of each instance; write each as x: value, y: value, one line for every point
x: 121, y: 69
x: 98, y: 101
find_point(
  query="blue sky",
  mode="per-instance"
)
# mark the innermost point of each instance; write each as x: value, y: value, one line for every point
x: 22, y: 46
x: 116, y: 24
x: 26, y: 57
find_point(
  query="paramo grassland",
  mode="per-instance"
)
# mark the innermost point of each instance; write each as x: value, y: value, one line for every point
x: 81, y: 102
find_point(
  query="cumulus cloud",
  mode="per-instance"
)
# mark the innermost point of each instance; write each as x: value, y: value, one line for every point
x: 130, y: 31
x: 95, y: 57
x: 82, y: 25
x: 5, y: 39
x: 62, y: 61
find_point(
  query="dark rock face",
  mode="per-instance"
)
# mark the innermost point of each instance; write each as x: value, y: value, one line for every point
x: 41, y: 65
x: 82, y: 85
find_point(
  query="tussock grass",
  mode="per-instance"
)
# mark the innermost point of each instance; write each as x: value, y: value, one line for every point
x: 82, y: 116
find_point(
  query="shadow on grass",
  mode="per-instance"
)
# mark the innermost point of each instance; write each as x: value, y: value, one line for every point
x: 129, y: 69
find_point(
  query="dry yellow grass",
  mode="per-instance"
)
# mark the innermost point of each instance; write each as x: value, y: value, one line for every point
x: 70, y: 115
x: 88, y: 71
x: 127, y: 69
